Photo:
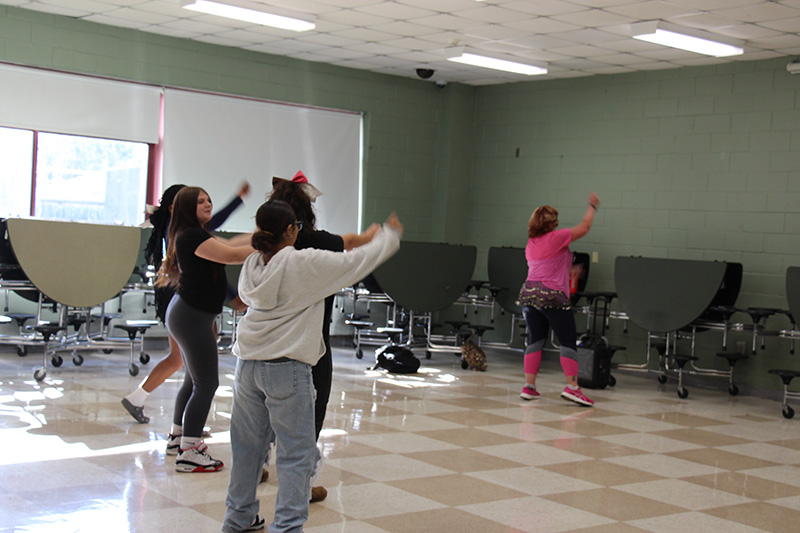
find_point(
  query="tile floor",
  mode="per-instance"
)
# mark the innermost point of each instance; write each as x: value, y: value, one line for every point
x: 444, y: 450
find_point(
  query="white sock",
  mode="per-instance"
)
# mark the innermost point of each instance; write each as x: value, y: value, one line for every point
x: 176, y: 430
x: 138, y: 397
x: 573, y: 387
x: 190, y: 442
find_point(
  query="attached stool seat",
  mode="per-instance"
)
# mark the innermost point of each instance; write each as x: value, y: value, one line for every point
x: 358, y: 323
x: 732, y: 358
x: 21, y: 319
x: 787, y: 376
x: 681, y: 361
x: 47, y: 330
x: 132, y: 327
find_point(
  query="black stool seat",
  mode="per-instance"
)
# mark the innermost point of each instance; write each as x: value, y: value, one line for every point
x: 785, y: 375
x: 136, y: 326
x: 480, y: 330
x: 759, y: 313
x: 355, y: 316
x: 359, y: 323
x: 457, y: 324
x: 20, y: 318
x: 683, y: 359
x: 732, y: 357
x: 108, y: 317
x: 48, y: 330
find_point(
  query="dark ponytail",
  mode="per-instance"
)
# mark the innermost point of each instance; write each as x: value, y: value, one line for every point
x: 272, y: 219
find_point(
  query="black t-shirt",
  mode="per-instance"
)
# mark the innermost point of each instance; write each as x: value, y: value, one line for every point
x: 322, y: 240
x: 202, y: 284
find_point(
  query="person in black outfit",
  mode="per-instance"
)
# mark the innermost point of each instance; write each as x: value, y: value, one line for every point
x: 154, y: 255
x: 300, y: 195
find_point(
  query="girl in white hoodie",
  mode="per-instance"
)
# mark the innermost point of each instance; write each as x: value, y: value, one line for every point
x: 278, y: 341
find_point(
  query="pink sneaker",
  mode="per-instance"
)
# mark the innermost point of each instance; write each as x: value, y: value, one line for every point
x: 576, y: 396
x: 529, y: 393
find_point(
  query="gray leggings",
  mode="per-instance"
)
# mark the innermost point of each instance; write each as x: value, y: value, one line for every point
x: 193, y: 329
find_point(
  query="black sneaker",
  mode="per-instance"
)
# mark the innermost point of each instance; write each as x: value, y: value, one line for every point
x: 136, y: 412
x: 257, y: 524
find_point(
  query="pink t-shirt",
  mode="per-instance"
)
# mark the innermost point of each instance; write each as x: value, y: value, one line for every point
x: 549, y: 259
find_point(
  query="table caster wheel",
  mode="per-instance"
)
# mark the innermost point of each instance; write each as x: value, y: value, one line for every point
x: 56, y: 361
x: 733, y: 390
x: 107, y: 350
x: 40, y: 373
x: 612, y: 381
x: 77, y: 359
x: 787, y: 412
x: 359, y: 354
x: 133, y: 370
x: 22, y: 351
x: 683, y: 393
x: 464, y: 364
x: 144, y: 358
x: 662, y: 379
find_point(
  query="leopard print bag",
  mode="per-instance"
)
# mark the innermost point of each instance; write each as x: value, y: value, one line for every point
x: 472, y: 356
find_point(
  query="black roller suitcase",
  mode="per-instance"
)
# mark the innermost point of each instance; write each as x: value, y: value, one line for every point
x: 594, y: 362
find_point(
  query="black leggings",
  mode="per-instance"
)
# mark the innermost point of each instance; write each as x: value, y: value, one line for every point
x: 322, y: 373
x: 539, y: 320
x: 193, y: 330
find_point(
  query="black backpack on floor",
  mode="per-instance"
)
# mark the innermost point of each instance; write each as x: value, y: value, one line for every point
x: 396, y: 359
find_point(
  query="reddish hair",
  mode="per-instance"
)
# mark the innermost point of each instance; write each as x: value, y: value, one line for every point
x: 543, y: 220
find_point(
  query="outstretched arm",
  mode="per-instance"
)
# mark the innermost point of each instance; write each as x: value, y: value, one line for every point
x: 352, y: 240
x: 586, y: 224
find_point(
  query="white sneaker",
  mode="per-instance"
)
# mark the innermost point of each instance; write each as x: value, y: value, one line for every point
x: 196, y: 459
x: 173, y: 444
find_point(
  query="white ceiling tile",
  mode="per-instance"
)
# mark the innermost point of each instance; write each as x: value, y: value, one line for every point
x: 356, y: 18
x: 711, y: 5
x: 408, y: 43
x: 139, y: 16
x: 747, y: 32
x: 545, y: 8
x: 609, y: 69
x: 292, y: 45
x: 770, y: 54
x: 580, y: 51
x: 791, y: 25
x: 215, y: 39
x: 588, y: 36
x: 623, y: 45
x: 652, y: 9
x: 761, y: 12
x: 82, y: 6
x: 383, y: 61
x: 328, y: 39
x: 593, y: 18
x: 304, y: 6
x: 245, y: 36
x: 404, y: 29
x: 113, y: 21
x: 441, y: 6
x: 701, y: 21
x: 170, y: 9
x: 445, y: 22
x: 779, y: 41
x: 618, y: 59
x: 543, y: 25
x: 494, y: 32
x: 328, y: 26
x: 394, y: 10
x: 361, y: 34
x: 491, y: 14
x: 171, y: 32
x: 418, y: 57
x: 376, y: 49
x: 342, y: 53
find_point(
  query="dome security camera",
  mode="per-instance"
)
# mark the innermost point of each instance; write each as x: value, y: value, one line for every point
x: 425, y: 73
x: 441, y: 83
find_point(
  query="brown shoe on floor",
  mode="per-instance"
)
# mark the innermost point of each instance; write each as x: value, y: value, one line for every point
x: 264, y: 474
x: 318, y: 494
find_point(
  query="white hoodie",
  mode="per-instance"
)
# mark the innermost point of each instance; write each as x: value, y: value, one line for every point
x: 285, y: 297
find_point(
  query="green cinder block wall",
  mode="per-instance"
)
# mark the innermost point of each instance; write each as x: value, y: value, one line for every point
x: 693, y: 163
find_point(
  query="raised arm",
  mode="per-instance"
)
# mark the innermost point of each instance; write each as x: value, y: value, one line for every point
x: 588, y: 218
x: 352, y: 240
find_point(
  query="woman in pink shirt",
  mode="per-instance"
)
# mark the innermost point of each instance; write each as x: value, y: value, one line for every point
x: 544, y: 297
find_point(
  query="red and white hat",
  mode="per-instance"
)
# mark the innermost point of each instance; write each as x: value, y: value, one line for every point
x: 312, y: 192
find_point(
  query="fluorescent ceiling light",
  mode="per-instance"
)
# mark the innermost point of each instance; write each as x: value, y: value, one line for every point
x: 466, y: 56
x: 249, y: 12
x: 692, y: 40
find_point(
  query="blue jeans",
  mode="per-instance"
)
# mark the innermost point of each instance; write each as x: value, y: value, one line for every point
x: 279, y: 398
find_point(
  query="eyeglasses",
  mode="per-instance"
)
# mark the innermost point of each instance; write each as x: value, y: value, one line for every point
x: 298, y: 224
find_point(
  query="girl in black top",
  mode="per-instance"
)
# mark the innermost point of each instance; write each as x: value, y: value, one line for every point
x: 195, y: 264
x: 153, y: 254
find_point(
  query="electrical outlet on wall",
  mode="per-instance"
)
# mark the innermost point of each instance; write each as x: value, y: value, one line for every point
x: 595, y: 257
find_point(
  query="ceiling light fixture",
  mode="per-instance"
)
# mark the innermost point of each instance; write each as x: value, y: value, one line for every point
x: 251, y: 12
x: 700, y: 42
x: 461, y: 54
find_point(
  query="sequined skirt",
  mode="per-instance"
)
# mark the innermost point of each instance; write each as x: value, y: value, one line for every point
x: 537, y: 294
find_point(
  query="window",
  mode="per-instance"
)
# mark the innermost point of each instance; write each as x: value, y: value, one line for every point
x: 82, y: 179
